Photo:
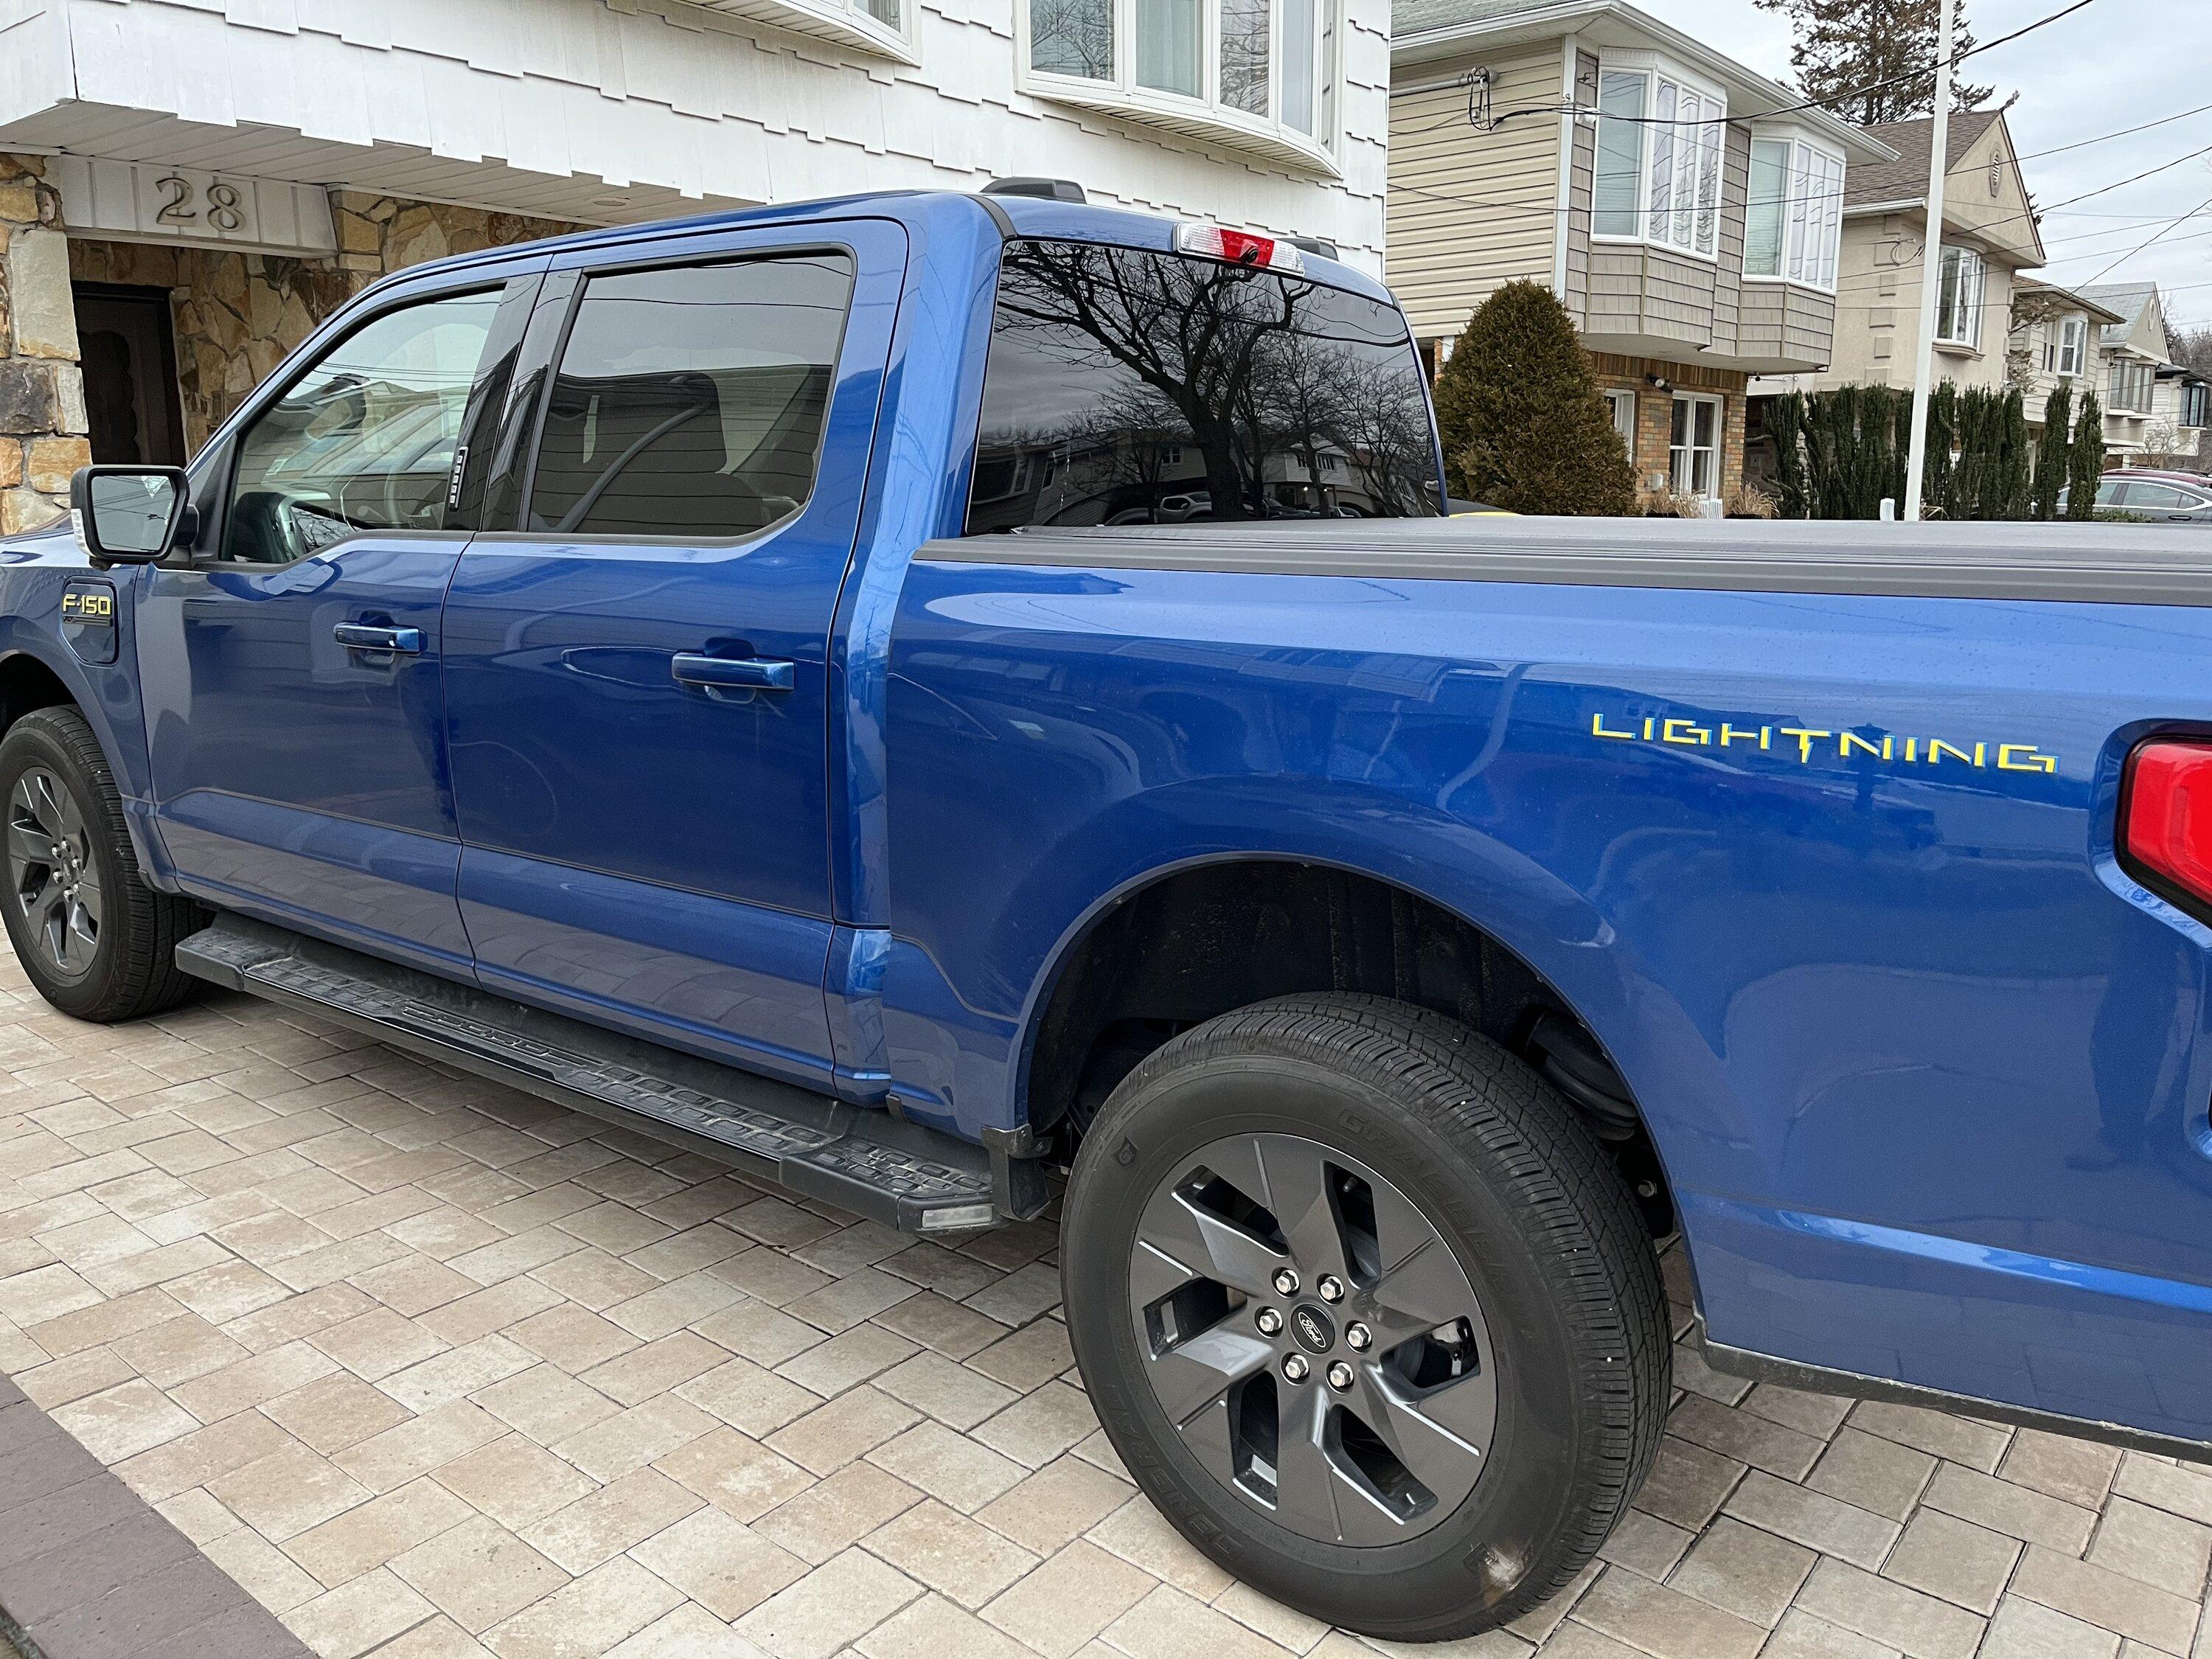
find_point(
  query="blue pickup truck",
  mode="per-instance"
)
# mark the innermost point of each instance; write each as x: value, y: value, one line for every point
x: 923, y: 695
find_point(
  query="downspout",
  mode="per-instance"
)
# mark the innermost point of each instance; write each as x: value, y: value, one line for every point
x: 1570, y: 54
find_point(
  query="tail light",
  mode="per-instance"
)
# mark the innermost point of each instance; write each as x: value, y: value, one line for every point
x: 2166, y: 820
x: 1239, y: 247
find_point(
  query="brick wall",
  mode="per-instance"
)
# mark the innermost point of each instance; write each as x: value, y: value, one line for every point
x: 1655, y: 412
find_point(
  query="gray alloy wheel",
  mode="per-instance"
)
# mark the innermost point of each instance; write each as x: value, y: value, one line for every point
x: 52, y: 873
x: 1312, y: 1338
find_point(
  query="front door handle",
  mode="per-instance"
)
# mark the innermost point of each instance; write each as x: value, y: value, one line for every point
x: 369, y: 636
x: 734, y: 673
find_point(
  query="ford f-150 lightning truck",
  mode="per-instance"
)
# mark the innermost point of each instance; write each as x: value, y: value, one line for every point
x: 919, y: 694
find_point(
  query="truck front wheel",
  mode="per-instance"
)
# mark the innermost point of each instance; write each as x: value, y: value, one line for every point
x: 1367, y: 1313
x: 94, y: 939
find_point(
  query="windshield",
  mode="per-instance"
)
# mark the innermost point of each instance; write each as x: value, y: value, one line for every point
x: 1130, y: 387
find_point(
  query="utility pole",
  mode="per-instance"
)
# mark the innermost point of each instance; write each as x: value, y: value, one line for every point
x: 1931, y: 266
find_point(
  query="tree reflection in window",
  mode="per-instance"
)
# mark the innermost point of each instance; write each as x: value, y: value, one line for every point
x: 1131, y: 387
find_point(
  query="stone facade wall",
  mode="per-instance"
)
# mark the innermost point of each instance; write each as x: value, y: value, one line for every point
x: 238, y: 315
x: 42, y: 419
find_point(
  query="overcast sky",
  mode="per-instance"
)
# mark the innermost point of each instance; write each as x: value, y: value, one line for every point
x: 2116, y: 63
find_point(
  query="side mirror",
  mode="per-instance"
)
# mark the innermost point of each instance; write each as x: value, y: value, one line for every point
x: 129, y: 515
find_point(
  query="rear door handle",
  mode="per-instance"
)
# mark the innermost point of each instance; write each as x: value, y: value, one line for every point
x: 368, y: 636
x: 743, y: 673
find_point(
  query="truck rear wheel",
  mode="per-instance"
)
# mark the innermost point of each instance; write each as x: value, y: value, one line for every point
x: 1367, y: 1312
x: 94, y: 939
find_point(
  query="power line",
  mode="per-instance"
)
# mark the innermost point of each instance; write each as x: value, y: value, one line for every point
x: 1788, y: 109
x: 2147, y: 241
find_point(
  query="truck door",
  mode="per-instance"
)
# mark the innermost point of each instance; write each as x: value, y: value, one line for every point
x: 636, y: 670
x: 291, y: 668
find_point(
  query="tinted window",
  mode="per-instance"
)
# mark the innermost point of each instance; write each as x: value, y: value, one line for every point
x: 689, y: 401
x: 363, y: 441
x: 2165, y: 497
x: 1128, y: 387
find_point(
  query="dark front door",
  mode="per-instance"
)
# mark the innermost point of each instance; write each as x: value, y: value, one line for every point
x: 637, y: 676
x: 292, y: 670
x: 126, y: 345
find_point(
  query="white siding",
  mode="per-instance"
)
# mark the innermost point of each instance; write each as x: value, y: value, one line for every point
x: 546, y: 105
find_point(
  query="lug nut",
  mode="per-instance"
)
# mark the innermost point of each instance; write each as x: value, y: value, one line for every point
x: 1269, y: 1322
x: 1331, y: 1288
x: 1340, y: 1375
x: 1294, y: 1367
x: 1358, y: 1336
x: 1287, y: 1282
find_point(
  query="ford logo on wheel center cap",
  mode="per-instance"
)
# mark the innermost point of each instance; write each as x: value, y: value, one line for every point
x: 1314, y: 1328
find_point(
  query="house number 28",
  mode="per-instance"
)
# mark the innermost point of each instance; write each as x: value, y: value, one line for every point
x: 178, y: 204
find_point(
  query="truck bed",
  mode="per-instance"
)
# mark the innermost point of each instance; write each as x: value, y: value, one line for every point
x: 2099, y: 563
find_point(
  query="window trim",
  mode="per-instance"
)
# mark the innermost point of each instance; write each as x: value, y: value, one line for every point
x: 1654, y: 67
x: 1719, y: 450
x: 1832, y: 223
x: 1614, y: 396
x: 572, y: 306
x: 1972, y: 342
x: 2199, y: 393
x: 228, y: 447
x: 2077, y: 324
x: 1204, y: 117
x: 824, y: 20
x: 2139, y: 370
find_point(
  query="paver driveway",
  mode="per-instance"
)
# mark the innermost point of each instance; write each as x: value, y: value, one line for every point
x: 433, y: 1369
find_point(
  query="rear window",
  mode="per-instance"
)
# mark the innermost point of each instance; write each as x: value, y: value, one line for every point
x: 1131, y: 387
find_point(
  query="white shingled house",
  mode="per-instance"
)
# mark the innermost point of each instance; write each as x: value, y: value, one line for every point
x: 187, y: 187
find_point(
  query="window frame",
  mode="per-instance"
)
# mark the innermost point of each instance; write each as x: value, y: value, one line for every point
x: 1616, y: 396
x: 1656, y: 70
x: 2075, y: 324
x: 1206, y: 114
x: 2140, y: 374
x: 847, y: 24
x: 1717, y: 450
x: 1828, y: 226
x: 2196, y: 395
x: 573, y: 306
x: 1971, y: 342
x: 227, y: 448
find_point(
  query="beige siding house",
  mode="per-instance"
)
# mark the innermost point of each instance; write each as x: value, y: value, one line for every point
x: 1684, y: 208
x: 2058, y: 339
x: 2144, y: 393
x: 1989, y: 237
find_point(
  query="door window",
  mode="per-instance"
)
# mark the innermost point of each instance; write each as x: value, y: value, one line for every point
x: 2164, y: 498
x: 690, y: 399
x: 365, y: 440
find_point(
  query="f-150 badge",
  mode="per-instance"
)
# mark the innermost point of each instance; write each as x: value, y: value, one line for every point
x: 1808, y: 744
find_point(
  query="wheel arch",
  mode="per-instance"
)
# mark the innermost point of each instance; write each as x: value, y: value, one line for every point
x: 1197, y: 937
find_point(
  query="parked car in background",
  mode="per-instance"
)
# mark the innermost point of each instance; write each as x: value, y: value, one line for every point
x: 2158, y: 497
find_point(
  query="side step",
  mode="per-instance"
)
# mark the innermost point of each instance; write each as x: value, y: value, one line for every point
x: 857, y: 1158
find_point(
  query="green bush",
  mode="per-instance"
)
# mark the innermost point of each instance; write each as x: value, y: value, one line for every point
x: 1523, y: 425
x: 2054, y: 455
x: 2086, y: 468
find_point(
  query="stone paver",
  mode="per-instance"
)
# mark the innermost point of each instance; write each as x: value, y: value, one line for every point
x: 429, y: 1368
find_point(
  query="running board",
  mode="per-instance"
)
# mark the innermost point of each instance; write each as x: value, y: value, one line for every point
x: 859, y: 1158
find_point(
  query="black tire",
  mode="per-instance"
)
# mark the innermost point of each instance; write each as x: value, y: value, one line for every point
x: 1535, y: 1216
x: 128, y: 966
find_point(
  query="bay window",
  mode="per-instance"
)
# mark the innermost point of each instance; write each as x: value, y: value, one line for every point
x: 1794, y: 219
x: 2065, y: 343
x: 1658, y: 170
x: 1959, y: 299
x: 1256, y: 68
x: 2128, y: 387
